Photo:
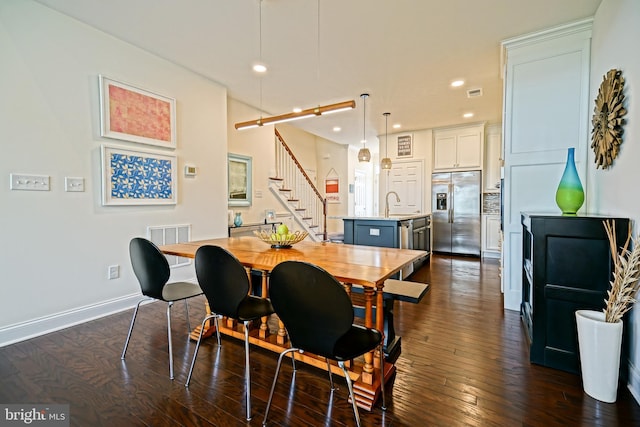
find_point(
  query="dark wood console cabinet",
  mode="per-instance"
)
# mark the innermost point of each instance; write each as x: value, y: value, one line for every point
x: 566, y: 266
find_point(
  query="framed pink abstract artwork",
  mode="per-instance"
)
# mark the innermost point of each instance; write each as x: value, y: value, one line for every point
x: 133, y: 114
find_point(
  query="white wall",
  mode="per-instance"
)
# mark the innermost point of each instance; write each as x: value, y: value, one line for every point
x: 334, y: 156
x: 302, y: 144
x: 257, y: 143
x: 56, y: 246
x: 614, y: 191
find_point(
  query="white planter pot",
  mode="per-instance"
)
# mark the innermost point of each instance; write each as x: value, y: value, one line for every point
x: 599, y: 343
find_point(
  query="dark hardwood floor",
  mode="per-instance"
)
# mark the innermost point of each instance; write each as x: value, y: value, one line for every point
x: 464, y: 361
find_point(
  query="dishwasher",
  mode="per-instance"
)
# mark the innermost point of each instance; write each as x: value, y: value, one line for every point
x: 421, y: 239
x: 406, y: 242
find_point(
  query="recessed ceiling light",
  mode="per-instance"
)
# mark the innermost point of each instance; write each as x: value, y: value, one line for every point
x: 260, y: 68
x: 467, y: 115
x: 457, y: 83
x: 297, y: 110
x: 337, y: 129
x: 397, y: 126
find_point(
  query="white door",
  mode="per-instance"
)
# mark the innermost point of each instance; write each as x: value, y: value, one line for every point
x: 406, y: 179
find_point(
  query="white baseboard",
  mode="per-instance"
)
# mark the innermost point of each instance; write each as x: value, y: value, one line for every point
x: 44, y: 325
x: 491, y: 254
x: 634, y: 382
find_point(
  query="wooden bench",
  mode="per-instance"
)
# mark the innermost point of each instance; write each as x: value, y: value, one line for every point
x: 394, y: 290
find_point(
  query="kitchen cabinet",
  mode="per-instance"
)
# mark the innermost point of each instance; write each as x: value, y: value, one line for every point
x: 491, y: 236
x: 459, y: 148
x: 412, y: 231
x: 492, y: 159
x: 386, y: 232
x: 566, y: 266
x: 546, y: 111
x: 372, y: 232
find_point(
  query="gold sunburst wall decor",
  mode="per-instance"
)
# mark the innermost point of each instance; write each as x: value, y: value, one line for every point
x: 606, y: 135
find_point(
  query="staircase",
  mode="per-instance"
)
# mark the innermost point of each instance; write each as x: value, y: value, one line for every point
x: 297, y: 193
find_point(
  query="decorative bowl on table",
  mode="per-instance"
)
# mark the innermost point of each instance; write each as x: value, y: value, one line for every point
x: 281, y: 241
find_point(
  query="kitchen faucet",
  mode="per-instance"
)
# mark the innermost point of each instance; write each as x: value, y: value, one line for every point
x: 386, y: 202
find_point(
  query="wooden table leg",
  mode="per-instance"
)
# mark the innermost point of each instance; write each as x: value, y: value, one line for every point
x: 367, y: 369
x: 281, y: 339
x: 368, y: 387
x: 379, y: 322
x: 264, y: 327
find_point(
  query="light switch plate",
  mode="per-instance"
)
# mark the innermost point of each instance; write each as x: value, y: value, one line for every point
x: 73, y: 184
x: 20, y: 181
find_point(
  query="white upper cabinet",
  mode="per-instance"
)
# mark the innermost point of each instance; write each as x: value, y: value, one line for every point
x: 459, y: 148
x: 546, y: 112
x: 492, y: 159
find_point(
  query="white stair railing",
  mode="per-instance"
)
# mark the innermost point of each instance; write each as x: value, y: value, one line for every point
x: 298, y: 193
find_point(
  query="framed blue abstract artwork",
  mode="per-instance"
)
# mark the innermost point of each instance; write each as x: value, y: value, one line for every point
x: 138, y: 177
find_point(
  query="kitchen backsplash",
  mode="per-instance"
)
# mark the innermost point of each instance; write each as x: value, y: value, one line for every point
x: 491, y: 203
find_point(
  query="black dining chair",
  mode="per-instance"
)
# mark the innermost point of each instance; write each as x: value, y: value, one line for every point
x: 318, y: 316
x: 152, y: 270
x: 226, y: 285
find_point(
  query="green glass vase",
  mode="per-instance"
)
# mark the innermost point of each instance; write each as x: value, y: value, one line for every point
x: 570, y: 195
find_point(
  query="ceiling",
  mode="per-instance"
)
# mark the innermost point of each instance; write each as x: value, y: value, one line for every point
x: 404, y: 53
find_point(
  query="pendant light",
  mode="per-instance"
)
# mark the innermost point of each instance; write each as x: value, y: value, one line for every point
x: 364, y: 155
x: 386, y: 162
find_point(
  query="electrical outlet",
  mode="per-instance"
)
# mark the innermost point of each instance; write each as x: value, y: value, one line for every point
x: 113, y: 272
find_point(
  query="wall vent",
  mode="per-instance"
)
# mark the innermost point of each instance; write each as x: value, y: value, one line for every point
x: 169, y: 234
x: 473, y: 93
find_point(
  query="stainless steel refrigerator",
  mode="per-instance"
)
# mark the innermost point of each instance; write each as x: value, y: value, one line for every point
x: 456, y: 212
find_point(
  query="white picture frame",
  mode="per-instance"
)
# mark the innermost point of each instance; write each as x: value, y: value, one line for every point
x: 239, y: 180
x: 132, y: 176
x: 132, y: 114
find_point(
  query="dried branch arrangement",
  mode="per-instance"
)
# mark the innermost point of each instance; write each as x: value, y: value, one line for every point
x: 626, y: 274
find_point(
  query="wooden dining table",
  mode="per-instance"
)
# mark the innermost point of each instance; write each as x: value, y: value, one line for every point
x: 368, y: 266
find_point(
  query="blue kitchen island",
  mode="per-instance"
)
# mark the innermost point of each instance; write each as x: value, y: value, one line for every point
x: 396, y: 231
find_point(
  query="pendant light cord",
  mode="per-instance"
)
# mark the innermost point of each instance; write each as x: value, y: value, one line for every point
x: 386, y: 133
x: 260, y: 48
x: 364, y: 119
x: 318, y: 44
